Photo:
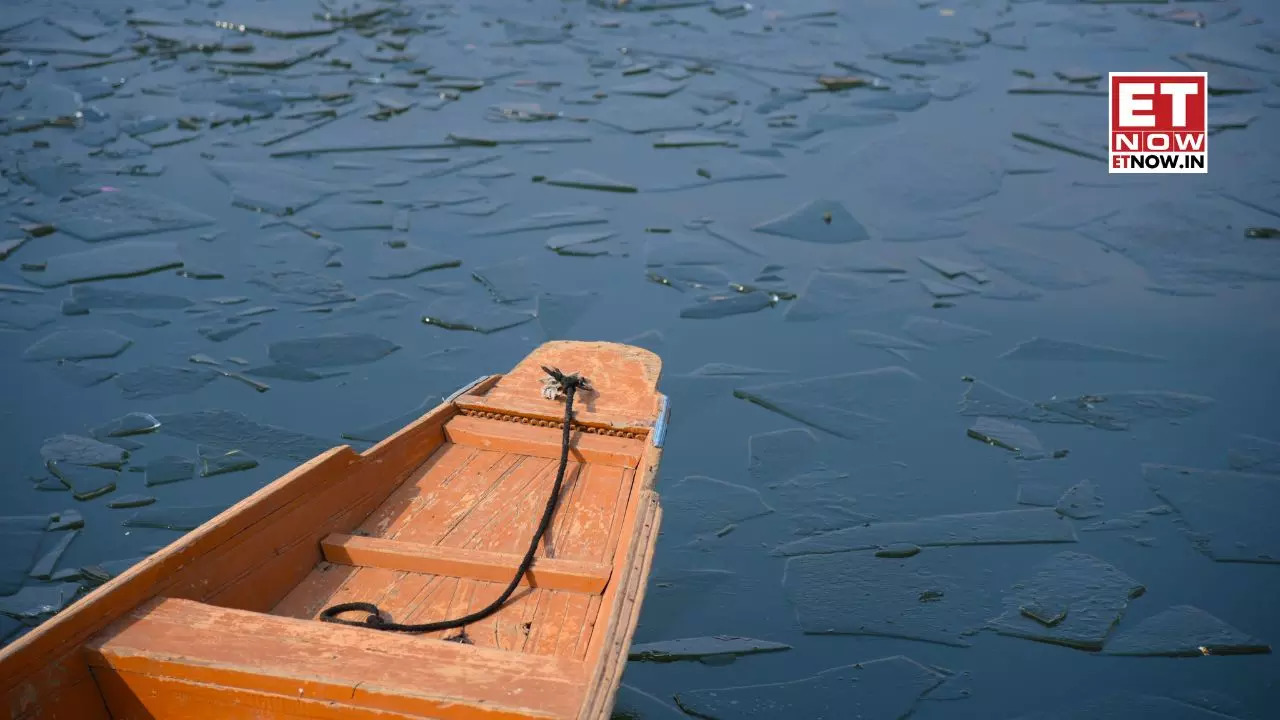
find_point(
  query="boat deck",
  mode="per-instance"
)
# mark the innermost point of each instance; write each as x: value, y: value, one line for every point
x: 468, y: 513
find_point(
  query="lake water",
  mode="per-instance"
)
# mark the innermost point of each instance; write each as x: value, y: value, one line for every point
x: 970, y: 426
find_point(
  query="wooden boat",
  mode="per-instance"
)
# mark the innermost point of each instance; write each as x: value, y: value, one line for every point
x: 429, y: 524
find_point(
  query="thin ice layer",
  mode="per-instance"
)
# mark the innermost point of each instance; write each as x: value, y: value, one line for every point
x: 227, y: 428
x: 1009, y: 436
x: 924, y: 598
x: 850, y: 405
x: 173, y: 518
x: 1080, y: 501
x: 453, y: 313
x: 705, y: 504
x: 78, y: 345
x: 1040, y: 349
x: 21, y: 537
x: 828, y: 294
x: 1184, y: 631
x: 1003, y: 527
x: 818, y: 502
x: 982, y: 398
x: 1231, y: 515
x: 1132, y: 707
x: 262, y: 188
x: 1117, y: 411
x: 335, y: 349
x: 1093, y: 593
x: 702, y: 647
x: 941, y: 332
x: 1255, y: 454
x: 117, y: 260
x: 117, y: 214
x: 80, y: 450
x: 1036, y: 270
x: 818, y: 221
x: 884, y: 688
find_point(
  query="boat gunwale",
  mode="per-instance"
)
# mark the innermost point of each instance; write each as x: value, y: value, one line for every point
x: 66, y: 632
x: 620, y: 627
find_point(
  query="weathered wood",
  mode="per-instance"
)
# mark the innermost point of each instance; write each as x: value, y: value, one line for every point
x: 75, y: 695
x: 608, y: 650
x: 137, y: 696
x: 613, y: 655
x: 236, y: 650
x: 625, y: 379
x: 433, y: 522
x: 543, y: 442
x: 227, y: 551
x: 462, y: 562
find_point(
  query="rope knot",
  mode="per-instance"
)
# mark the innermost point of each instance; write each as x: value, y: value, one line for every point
x: 557, y: 384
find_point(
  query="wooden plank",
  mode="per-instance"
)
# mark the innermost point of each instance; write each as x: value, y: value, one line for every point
x: 485, y: 565
x: 543, y: 442
x: 310, y: 596
x: 499, y: 501
x: 437, y: 601
x: 513, y: 514
x: 238, y: 650
x: 443, y: 466
x: 407, y: 593
x: 588, y: 627
x: 517, y: 623
x: 592, y: 517
x: 138, y: 696
x: 551, y: 619
x: 566, y: 509
x: 607, y: 649
x: 608, y: 667
x: 77, y: 697
x: 441, y: 505
x: 575, y: 613
x: 625, y: 379
x: 295, y: 543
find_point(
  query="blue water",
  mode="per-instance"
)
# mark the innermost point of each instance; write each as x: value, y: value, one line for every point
x: 269, y: 208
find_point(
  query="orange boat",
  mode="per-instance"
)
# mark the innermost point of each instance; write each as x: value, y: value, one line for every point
x: 431, y: 524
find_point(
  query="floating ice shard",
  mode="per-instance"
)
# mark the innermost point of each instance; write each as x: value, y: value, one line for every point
x: 1048, y: 349
x: 117, y: 214
x: 918, y: 598
x: 1007, y: 435
x: 884, y: 688
x: 1231, y: 515
x: 827, y: 403
x: 1183, y: 631
x: 817, y: 221
x: 1094, y: 594
x: 717, y: 646
x: 1002, y: 527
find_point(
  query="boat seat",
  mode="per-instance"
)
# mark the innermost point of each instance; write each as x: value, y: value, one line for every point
x: 549, y: 573
x: 536, y: 441
x: 236, y: 663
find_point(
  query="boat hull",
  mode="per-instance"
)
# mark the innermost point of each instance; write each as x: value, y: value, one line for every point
x: 430, y: 524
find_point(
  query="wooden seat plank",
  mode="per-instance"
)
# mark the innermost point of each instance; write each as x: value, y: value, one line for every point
x: 371, y: 552
x: 238, y: 650
x: 135, y: 696
x: 543, y: 442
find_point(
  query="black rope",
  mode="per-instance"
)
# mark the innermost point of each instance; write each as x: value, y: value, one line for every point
x: 557, y: 383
